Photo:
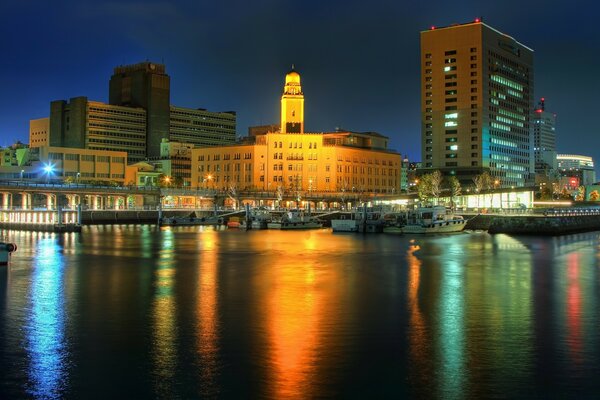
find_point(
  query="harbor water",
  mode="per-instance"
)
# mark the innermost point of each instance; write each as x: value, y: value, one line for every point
x: 135, y: 311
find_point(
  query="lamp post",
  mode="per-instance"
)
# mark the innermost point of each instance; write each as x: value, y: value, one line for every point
x: 77, y: 177
x: 22, y: 172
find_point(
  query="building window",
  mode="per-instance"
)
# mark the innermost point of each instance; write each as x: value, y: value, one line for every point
x: 428, y: 55
x: 450, y: 68
x: 450, y: 52
x: 473, y: 49
x: 473, y: 58
x: 451, y: 76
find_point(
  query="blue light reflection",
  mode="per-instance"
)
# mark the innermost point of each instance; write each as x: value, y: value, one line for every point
x: 45, y: 328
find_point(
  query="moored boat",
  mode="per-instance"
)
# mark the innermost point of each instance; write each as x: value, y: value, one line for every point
x: 437, y: 219
x: 295, y: 220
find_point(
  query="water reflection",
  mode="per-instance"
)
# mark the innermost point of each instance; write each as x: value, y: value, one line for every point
x: 452, y: 331
x: 164, y: 315
x: 207, y: 327
x: 47, y: 345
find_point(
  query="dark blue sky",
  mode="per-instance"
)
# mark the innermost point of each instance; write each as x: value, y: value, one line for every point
x: 359, y: 60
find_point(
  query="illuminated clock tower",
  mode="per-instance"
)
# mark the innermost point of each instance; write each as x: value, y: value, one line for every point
x: 292, y: 104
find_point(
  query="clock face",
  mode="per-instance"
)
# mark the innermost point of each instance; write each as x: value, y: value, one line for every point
x: 152, y: 66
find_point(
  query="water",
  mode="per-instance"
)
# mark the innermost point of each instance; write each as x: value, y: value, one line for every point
x: 138, y: 312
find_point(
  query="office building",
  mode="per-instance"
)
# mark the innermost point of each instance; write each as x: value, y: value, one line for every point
x: 295, y: 161
x: 85, y: 124
x: 59, y: 164
x: 544, y: 140
x: 138, y: 117
x: 477, y: 97
x: 145, y: 85
x: 577, y: 166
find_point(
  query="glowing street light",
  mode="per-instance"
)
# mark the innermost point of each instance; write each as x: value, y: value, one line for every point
x: 49, y: 170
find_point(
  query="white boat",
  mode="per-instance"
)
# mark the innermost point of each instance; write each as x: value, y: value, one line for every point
x: 437, y: 219
x: 295, y: 220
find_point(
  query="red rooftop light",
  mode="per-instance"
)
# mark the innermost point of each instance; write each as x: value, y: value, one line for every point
x: 432, y: 27
x: 477, y: 20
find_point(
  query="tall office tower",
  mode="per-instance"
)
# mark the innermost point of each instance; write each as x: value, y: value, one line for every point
x: 145, y: 85
x: 477, y: 98
x: 544, y: 139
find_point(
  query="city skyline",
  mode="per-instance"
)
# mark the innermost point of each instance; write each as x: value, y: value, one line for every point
x: 360, y: 64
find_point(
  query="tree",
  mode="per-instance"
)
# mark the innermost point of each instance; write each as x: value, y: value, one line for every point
x: 482, y: 182
x: 594, y: 195
x: 429, y: 186
x: 455, y: 188
x: 177, y: 181
x: 580, y: 194
x: 232, y: 192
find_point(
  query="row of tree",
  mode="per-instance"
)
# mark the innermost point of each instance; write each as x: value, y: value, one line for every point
x: 432, y: 185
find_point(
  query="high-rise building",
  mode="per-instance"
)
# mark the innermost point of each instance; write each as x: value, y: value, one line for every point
x: 145, y: 85
x: 544, y: 139
x: 477, y: 98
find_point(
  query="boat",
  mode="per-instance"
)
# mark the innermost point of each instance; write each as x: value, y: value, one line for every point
x: 295, y: 220
x: 436, y: 219
x: 234, y: 222
x: 344, y: 225
x: 259, y: 218
x: 185, y: 221
x: 365, y: 219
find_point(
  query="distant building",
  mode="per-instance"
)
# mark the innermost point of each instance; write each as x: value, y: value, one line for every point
x: 477, y: 97
x: 39, y: 130
x: 85, y: 124
x: 544, y: 140
x: 138, y: 117
x: 577, y: 166
x: 292, y: 160
x: 49, y: 163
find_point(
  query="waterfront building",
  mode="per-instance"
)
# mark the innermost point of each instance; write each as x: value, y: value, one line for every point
x: 64, y: 164
x: 39, y: 130
x: 138, y: 117
x: 544, y: 140
x: 174, y: 162
x: 295, y: 161
x: 476, y: 102
x: 577, y: 166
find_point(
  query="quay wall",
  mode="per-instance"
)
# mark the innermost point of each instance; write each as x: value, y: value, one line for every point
x: 544, y: 225
x: 480, y: 222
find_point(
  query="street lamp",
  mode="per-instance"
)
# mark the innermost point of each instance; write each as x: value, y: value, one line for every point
x: 48, y: 169
x: 22, y: 172
x: 77, y: 177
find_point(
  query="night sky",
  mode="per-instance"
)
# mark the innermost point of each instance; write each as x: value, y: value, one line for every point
x: 359, y: 60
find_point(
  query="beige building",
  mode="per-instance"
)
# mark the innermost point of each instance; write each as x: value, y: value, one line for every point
x: 54, y: 164
x: 292, y: 160
x: 476, y: 103
x: 38, y: 132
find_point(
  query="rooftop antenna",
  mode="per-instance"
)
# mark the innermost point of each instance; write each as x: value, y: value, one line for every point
x: 542, y: 104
